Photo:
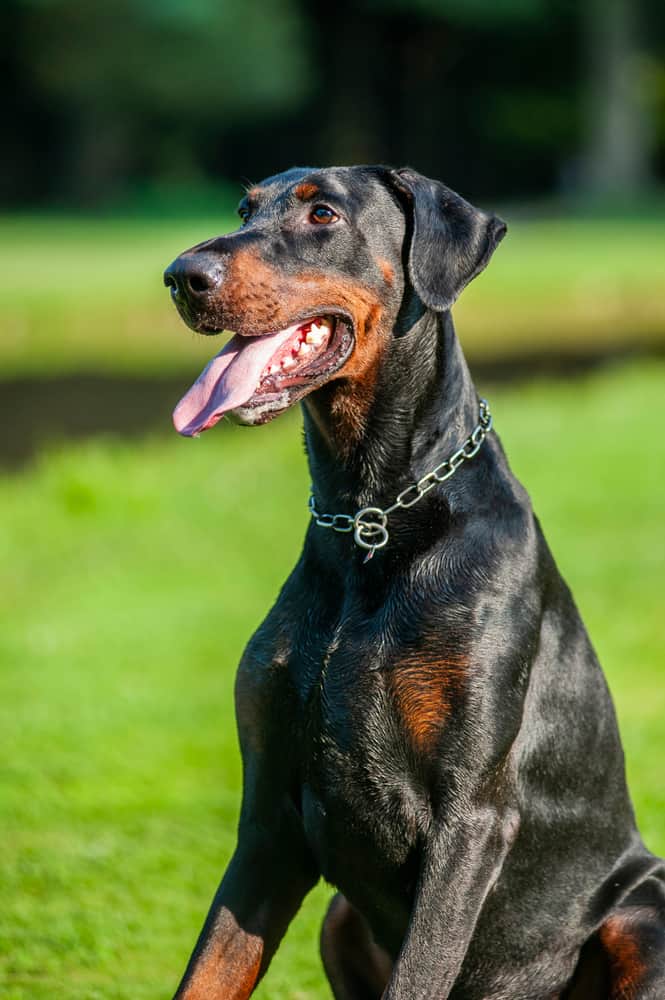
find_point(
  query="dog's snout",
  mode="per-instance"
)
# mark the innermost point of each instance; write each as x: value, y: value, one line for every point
x: 193, y: 277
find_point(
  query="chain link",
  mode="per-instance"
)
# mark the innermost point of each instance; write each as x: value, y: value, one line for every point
x: 369, y: 525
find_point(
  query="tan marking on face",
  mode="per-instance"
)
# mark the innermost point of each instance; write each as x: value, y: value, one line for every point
x: 229, y: 966
x: 387, y: 270
x: 352, y: 398
x: 623, y: 952
x: 256, y: 298
x: 423, y: 689
x: 254, y: 192
x: 306, y: 191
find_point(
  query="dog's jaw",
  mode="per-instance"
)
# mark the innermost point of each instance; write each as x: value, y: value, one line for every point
x: 256, y: 378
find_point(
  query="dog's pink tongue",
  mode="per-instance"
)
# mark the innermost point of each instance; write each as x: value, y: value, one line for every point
x: 229, y: 380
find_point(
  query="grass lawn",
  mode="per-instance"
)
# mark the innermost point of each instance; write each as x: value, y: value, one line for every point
x: 81, y: 295
x: 131, y: 575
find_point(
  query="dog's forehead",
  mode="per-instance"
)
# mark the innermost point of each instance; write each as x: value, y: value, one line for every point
x: 357, y: 187
x: 272, y: 188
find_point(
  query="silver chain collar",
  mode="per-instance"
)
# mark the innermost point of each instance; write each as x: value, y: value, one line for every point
x: 369, y: 525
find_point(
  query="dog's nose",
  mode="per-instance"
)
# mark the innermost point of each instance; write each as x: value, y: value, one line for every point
x: 193, y: 277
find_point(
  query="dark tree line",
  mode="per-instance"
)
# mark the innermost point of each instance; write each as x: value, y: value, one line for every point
x: 507, y: 98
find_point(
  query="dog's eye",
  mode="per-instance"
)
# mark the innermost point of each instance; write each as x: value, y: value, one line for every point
x: 323, y: 215
x: 243, y: 212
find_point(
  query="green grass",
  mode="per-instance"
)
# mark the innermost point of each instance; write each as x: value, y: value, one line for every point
x: 85, y: 295
x: 131, y: 575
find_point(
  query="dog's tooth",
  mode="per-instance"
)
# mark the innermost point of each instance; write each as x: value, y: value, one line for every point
x: 288, y: 363
x: 315, y: 336
x: 321, y: 332
x: 305, y: 349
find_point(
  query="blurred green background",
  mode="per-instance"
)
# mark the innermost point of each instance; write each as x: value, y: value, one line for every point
x: 134, y: 564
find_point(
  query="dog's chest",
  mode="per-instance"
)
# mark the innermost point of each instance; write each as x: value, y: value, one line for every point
x: 361, y: 797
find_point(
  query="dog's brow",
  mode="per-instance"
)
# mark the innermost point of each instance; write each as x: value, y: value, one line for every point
x: 306, y: 191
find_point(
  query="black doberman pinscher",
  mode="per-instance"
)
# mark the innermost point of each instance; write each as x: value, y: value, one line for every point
x: 422, y: 717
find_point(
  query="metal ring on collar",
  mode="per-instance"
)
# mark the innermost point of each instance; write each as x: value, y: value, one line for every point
x: 370, y: 530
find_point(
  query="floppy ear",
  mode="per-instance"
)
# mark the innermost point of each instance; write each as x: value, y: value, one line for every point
x: 451, y: 241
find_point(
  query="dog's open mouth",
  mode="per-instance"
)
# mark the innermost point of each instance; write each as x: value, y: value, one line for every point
x: 265, y: 373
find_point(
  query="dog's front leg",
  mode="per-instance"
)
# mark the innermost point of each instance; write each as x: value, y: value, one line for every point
x: 272, y: 868
x: 461, y: 862
x: 266, y: 880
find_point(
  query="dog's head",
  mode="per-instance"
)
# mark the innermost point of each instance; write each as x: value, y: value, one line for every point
x: 312, y: 282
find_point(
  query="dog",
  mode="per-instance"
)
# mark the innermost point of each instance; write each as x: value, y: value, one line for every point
x: 422, y: 718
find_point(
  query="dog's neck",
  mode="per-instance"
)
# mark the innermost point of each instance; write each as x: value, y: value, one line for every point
x: 422, y: 408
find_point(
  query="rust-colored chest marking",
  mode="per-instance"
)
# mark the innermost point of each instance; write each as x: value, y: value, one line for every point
x: 424, y: 689
x: 623, y: 951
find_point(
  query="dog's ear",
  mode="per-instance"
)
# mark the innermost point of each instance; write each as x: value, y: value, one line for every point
x: 451, y: 241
